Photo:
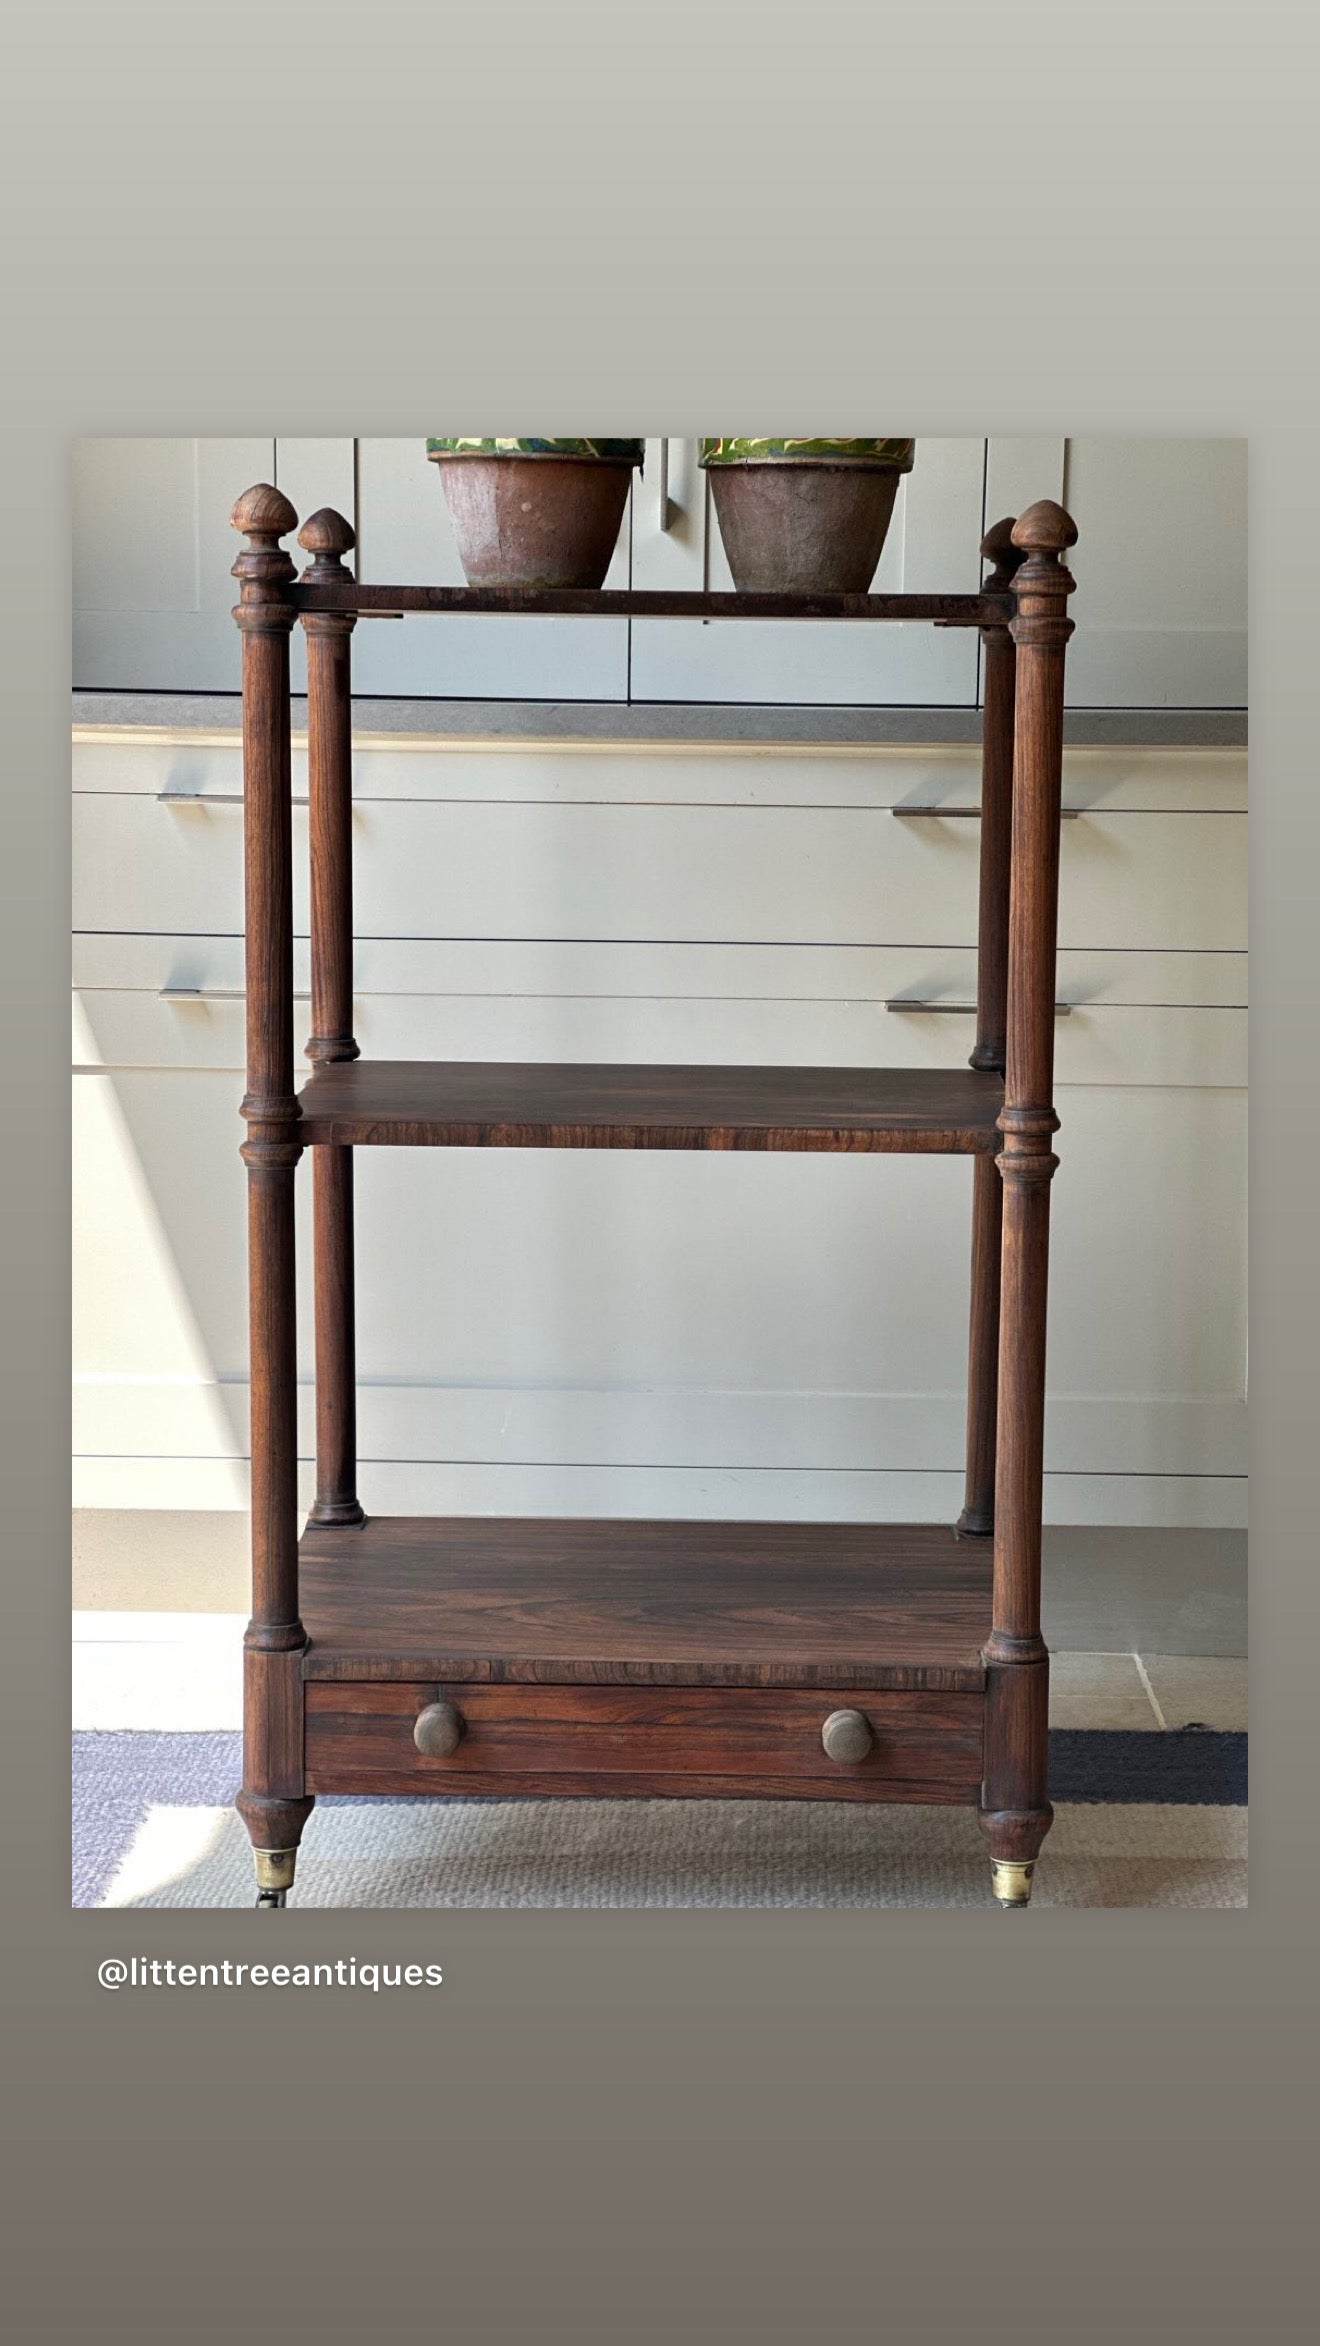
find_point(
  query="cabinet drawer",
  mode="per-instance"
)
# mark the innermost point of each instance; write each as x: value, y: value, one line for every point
x: 540, y: 870
x: 188, y: 1021
x: 608, y: 1739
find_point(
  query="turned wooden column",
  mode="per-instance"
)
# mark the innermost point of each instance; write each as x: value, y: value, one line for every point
x: 1015, y: 1807
x: 997, y: 716
x: 327, y: 537
x: 271, y: 1803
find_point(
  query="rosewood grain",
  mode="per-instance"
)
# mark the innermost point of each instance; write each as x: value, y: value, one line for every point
x: 502, y: 1104
x: 275, y: 1801
x: 330, y: 798
x: 998, y: 723
x: 1015, y: 1811
x: 978, y: 1515
x: 1000, y: 664
x: 1015, y: 1807
x: 336, y: 1498
x: 272, y: 1146
x: 528, y: 1738
x: 647, y: 603
x: 328, y: 537
x: 531, y: 1600
x: 272, y: 1802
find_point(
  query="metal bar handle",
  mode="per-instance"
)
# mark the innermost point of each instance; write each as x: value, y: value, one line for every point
x: 959, y: 1009
x: 1068, y: 814
x: 208, y: 798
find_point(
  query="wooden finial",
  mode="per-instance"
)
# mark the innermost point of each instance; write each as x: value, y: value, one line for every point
x: 264, y: 514
x: 327, y: 537
x: 997, y: 544
x: 997, y: 547
x: 1042, y: 585
x: 263, y: 569
x: 1044, y: 529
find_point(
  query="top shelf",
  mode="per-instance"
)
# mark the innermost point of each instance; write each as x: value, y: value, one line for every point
x: 383, y: 602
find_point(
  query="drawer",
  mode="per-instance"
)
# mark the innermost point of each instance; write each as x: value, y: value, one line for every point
x: 610, y: 1740
x: 193, y: 1019
x: 195, y: 772
x: 541, y: 870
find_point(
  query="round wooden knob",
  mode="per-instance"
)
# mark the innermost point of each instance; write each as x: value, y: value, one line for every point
x: 847, y: 1736
x: 439, y: 1730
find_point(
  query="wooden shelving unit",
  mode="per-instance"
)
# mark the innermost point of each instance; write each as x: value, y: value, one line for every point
x: 786, y: 1661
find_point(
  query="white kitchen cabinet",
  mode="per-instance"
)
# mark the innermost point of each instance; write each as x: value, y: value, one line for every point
x: 1161, y: 568
x: 1019, y: 471
x: 1160, y: 563
x: 669, y: 1335
x: 610, y: 869
x: 153, y: 597
x: 1130, y: 1018
x: 932, y: 547
x: 152, y: 550
x: 404, y: 539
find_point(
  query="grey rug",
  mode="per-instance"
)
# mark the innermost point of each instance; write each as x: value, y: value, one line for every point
x: 661, y: 1853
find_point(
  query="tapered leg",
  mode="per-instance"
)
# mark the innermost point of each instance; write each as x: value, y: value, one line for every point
x: 1015, y: 1807
x: 1016, y: 1815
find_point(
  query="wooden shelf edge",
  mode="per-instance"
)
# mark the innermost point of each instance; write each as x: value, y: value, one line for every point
x: 473, y: 1104
x: 974, y: 610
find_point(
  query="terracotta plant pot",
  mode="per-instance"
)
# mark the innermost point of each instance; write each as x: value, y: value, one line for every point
x: 805, y: 516
x: 535, y: 513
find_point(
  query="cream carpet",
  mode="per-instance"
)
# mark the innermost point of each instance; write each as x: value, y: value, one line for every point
x: 596, y: 1853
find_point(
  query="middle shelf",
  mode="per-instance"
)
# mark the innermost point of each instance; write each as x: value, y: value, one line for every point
x: 507, y: 1104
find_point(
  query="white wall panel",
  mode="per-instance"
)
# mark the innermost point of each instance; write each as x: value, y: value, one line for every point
x: 1019, y: 472
x: 152, y: 552
x: 726, y: 1494
x: 405, y: 539
x: 1161, y: 569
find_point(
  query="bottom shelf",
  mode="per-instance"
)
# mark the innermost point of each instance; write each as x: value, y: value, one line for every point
x: 471, y: 1600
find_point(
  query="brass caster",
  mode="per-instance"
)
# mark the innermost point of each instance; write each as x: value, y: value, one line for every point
x: 1011, y: 1880
x: 272, y: 1897
x: 274, y: 1873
